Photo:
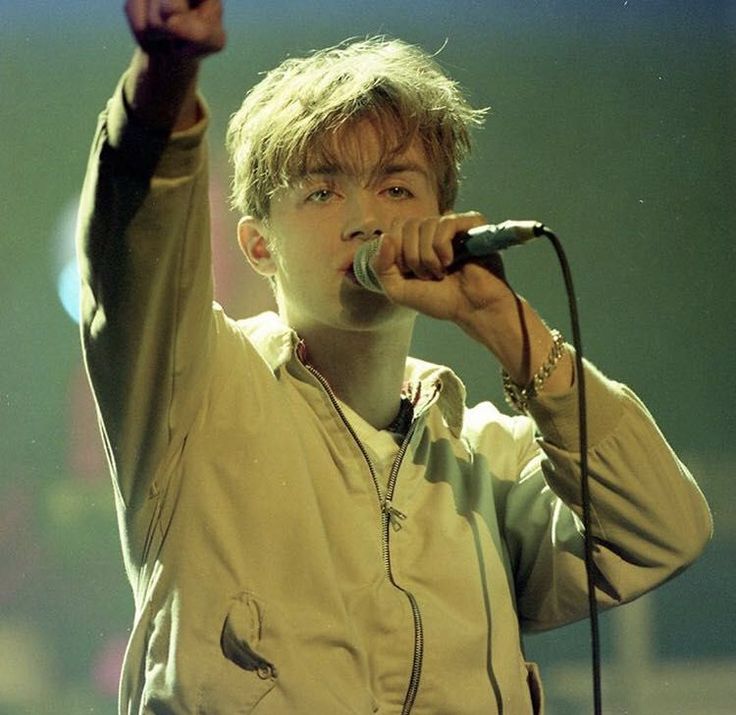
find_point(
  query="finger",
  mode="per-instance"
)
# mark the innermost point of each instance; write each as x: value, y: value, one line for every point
x: 448, y: 227
x: 153, y: 20
x: 430, y: 236
x: 202, y: 26
x: 446, y: 231
x: 469, y: 219
x: 161, y: 10
x: 136, y: 11
x: 410, y: 249
x: 392, y: 237
x: 145, y: 23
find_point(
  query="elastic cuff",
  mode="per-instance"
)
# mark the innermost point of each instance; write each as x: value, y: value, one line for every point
x: 150, y: 150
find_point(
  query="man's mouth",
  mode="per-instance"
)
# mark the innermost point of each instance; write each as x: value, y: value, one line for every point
x: 350, y: 274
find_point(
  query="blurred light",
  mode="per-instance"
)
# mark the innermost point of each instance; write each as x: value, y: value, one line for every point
x: 64, y: 258
x: 26, y: 667
x: 67, y: 286
x: 107, y: 665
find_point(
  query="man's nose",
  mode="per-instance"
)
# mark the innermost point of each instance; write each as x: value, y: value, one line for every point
x: 363, y: 220
x: 365, y: 234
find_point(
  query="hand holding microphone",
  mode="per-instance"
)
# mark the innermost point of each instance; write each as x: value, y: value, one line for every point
x: 475, y: 243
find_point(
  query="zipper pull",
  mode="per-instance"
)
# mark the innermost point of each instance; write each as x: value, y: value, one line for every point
x: 395, y: 516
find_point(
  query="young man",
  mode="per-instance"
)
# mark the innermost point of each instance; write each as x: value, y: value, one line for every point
x: 312, y: 522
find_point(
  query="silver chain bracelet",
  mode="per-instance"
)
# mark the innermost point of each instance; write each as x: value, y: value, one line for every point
x: 518, y: 397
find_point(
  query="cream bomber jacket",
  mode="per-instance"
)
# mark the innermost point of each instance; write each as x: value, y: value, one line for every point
x: 272, y: 572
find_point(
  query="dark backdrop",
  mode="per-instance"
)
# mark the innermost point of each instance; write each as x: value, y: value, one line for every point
x: 611, y: 121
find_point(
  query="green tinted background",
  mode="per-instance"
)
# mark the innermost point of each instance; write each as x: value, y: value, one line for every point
x: 611, y: 121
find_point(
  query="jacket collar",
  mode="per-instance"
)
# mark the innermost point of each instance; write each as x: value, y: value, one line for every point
x: 425, y: 382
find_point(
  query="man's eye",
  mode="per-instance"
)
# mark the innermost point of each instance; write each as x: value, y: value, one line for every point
x: 399, y: 192
x: 320, y: 196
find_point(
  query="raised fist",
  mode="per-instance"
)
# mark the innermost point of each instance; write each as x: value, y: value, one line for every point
x: 180, y: 28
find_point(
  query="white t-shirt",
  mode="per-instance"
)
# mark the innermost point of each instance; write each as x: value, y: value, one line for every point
x: 381, y: 445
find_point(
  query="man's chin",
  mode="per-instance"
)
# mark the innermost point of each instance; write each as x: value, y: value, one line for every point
x: 364, y: 309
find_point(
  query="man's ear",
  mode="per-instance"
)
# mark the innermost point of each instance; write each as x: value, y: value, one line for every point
x: 255, y: 247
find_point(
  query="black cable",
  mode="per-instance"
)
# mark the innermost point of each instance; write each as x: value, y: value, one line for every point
x: 595, y: 646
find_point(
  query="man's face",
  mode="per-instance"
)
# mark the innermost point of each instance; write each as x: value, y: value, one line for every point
x: 318, y: 223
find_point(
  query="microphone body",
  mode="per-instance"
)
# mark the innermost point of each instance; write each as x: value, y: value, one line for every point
x: 478, y: 242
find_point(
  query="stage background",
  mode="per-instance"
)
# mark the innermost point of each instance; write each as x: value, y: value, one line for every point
x: 612, y: 121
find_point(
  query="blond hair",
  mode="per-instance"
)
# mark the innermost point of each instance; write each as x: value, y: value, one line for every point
x: 293, y: 114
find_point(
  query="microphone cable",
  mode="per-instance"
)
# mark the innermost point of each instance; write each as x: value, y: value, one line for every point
x: 595, y: 647
x: 483, y: 242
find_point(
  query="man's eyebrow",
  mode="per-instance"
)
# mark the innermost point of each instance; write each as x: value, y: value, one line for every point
x: 405, y: 167
x: 380, y: 172
x: 322, y: 170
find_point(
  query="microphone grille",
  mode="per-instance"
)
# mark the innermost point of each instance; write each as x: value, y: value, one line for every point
x: 362, y: 265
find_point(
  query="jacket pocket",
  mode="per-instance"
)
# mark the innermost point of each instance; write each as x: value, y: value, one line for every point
x: 245, y: 677
x: 241, y: 633
x: 534, y: 682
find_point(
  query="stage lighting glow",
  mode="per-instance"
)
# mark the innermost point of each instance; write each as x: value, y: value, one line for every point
x: 67, y: 286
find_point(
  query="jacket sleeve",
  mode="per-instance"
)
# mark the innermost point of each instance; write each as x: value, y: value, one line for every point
x: 649, y: 518
x: 146, y: 290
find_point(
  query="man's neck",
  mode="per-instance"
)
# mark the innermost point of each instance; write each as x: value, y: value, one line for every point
x: 365, y: 369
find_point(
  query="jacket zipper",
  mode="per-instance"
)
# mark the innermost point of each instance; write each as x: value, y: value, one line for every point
x: 390, y: 515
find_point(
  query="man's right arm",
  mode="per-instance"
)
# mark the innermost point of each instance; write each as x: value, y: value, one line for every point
x: 143, y: 244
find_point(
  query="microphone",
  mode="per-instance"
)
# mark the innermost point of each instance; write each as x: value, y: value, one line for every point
x: 478, y: 242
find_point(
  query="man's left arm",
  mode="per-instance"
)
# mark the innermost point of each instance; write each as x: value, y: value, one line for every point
x: 650, y: 520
